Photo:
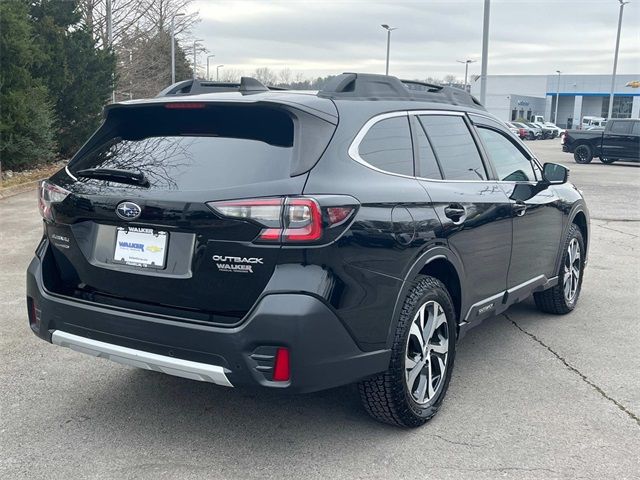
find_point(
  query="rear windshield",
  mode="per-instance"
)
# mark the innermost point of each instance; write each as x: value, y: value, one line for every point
x: 194, y: 149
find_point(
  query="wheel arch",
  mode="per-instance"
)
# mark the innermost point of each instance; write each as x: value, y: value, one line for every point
x: 440, y: 263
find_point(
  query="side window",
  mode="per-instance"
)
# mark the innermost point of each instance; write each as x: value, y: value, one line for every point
x: 636, y: 128
x: 509, y: 162
x: 387, y: 146
x: 454, y: 147
x: 623, y: 128
x: 426, y: 158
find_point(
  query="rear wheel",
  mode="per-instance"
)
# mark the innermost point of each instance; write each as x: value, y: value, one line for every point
x: 607, y: 160
x: 583, y: 154
x: 410, y: 392
x: 563, y: 297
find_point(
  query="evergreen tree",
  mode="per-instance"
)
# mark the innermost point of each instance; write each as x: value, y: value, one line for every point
x: 78, y: 75
x: 25, y: 113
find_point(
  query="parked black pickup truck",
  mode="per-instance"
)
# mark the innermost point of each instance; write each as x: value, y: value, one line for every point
x: 620, y: 140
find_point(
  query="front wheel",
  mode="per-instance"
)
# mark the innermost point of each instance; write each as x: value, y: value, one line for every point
x: 410, y: 392
x: 583, y: 154
x: 563, y: 297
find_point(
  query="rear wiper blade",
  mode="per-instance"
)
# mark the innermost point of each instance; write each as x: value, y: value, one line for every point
x: 115, y: 175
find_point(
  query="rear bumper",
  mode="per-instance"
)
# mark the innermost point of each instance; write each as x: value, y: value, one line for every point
x: 322, y: 352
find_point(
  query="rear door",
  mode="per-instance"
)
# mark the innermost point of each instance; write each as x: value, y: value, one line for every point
x: 537, y: 212
x: 171, y: 244
x: 618, y: 141
x: 474, y: 210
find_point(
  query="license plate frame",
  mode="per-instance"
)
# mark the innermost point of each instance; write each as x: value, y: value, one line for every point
x: 141, y: 247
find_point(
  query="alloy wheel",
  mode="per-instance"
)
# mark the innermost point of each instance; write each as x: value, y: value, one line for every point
x: 572, y: 270
x: 427, y: 352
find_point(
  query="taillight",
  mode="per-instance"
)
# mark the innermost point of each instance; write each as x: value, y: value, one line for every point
x: 49, y: 194
x: 285, y: 219
x: 302, y: 220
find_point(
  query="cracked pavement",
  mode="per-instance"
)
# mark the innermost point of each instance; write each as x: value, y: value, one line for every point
x: 533, y: 396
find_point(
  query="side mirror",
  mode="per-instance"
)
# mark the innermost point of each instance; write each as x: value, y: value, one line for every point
x: 554, y: 173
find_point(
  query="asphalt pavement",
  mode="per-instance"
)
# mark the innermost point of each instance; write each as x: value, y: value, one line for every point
x: 533, y: 396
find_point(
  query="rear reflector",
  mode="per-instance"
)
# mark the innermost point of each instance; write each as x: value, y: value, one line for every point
x: 34, y: 315
x: 281, y: 367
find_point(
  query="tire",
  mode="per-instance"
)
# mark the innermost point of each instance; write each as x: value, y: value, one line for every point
x: 583, y: 154
x: 397, y: 397
x: 608, y: 160
x: 556, y: 300
x: 531, y: 136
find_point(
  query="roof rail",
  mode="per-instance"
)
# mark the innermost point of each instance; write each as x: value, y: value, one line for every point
x: 247, y: 86
x: 369, y: 86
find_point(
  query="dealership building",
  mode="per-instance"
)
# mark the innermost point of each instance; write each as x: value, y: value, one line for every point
x: 512, y: 97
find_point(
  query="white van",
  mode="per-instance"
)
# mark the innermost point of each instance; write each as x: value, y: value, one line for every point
x: 589, y: 122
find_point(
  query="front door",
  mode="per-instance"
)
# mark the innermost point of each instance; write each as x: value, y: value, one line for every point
x: 535, y: 209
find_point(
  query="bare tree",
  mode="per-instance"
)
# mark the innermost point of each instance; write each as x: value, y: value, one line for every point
x: 230, y: 75
x: 284, y: 77
x: 265, y: 76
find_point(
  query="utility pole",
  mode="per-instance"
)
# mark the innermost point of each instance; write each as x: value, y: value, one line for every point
x: 110, y: 44
x: 389, y: 30
x: 485, y: 51
x: 173, y: 47
x: 195, y: 60
x: 466, y: 70
x: 615, y: 58
x: 555, y: 115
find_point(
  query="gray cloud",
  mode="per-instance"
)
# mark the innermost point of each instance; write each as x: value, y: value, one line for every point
x: 327, y: 37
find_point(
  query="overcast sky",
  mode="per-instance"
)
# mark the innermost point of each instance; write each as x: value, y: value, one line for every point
x: 331, y: 36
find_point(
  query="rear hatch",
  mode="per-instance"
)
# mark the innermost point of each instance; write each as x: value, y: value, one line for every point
x: 140, y: 227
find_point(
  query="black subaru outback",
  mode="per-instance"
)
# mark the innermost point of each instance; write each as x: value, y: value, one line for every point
x: 302, y: 240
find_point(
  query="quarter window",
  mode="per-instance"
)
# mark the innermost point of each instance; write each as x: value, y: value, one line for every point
x: 387, y: 146
x: 454, y: 146
x: 510, y: 163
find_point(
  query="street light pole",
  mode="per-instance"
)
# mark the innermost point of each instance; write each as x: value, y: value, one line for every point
x: 208, y: 57
x: 173, y: 47
x: 466, y: 70
x: 195, y: 60
x: 389, y: 30
x: 218, y: 71
x: 485, y: 51
x: 555, y: 115
x: 615, y: 58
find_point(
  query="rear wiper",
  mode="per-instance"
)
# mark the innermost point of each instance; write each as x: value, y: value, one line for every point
x: 115, y: 175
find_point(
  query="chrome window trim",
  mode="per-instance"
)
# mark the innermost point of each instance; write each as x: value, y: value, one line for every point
x: 355, y: 144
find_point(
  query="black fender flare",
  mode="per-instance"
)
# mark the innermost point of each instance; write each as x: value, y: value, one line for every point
x: 433, y: 253
x: 578, y: 207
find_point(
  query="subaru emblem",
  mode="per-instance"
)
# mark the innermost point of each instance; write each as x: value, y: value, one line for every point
x: 128, y: 210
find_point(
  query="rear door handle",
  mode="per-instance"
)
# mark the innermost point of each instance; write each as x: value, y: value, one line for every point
x: 519, y: 208
x: 455, y: 211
